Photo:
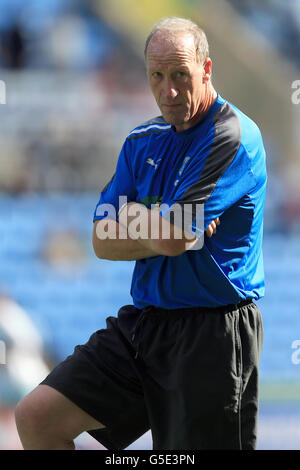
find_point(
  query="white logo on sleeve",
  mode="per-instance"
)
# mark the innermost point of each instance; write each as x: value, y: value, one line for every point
x: 151, y: 162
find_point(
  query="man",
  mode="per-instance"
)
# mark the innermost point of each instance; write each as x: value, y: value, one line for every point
x: 183, y: 360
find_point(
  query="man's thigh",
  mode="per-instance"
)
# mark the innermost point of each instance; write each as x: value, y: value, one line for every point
x: 100, y: 377
x: 47, y: 415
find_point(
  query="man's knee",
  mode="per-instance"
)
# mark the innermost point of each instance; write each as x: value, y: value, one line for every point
x: 45, y: 417
x: 26, y: 415
x: 40, y: 424
x: 31, y: 415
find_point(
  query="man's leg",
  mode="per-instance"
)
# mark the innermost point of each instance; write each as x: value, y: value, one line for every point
x: 98, y: 383
x: 203, y: 395
x: 46, y: 419
x: 251, y: 333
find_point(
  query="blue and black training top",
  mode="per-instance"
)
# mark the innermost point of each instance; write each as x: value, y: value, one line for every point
x: 220, y: 163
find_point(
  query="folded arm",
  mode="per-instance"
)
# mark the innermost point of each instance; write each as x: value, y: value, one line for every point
x: 136, y: 237
x: 117, y: 249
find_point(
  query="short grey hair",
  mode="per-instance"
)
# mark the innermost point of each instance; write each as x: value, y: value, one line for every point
x: 173, y: 25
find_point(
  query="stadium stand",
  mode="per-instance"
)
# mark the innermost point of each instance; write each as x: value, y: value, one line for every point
x: 277, y: 20
x: 67, y: 300
x: 70, y: 293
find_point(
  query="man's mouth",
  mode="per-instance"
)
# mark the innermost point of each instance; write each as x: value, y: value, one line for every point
x: 171, y: 106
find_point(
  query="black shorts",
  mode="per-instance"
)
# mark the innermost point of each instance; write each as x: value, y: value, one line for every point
x: 189, y: 375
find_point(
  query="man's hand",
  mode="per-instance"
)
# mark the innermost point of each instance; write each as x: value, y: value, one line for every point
x: 212, y: 228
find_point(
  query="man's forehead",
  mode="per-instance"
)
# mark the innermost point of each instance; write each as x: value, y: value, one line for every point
x: 164, y: 47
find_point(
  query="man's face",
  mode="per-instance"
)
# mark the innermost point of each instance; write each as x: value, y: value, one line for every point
x: 178, y: 82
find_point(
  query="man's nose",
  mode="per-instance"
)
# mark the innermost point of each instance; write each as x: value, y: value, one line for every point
x: 169, y: 90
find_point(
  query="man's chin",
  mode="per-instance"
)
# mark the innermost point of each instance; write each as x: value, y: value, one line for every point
x: 173, y: 120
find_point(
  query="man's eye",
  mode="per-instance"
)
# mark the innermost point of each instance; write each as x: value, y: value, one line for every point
x: 156, y: 75
x: 181, y: 74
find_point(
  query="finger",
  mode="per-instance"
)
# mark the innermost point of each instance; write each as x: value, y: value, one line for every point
x: 217, y: 220
x: 212, y: 228
x: 209, y: 231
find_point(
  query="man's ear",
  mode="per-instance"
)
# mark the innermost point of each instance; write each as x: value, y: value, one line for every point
x: 207, y: 69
